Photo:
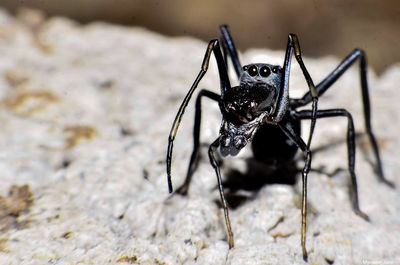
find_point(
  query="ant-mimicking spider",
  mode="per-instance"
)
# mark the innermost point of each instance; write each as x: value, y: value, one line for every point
x: 260, y: 107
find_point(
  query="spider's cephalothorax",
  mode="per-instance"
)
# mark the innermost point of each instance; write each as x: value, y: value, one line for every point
x: 247, y: 106
x: 260, y: 111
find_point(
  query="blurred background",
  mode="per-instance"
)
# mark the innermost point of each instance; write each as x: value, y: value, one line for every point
x: 324, y: 27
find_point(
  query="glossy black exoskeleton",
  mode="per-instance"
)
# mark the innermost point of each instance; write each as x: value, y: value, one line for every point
x: 260, y: 111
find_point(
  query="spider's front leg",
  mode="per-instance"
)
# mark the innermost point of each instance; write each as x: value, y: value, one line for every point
x: 214, y: 163
x: 213, y: 47
x: 229, y: 49
x: 307, y: 152
x: 282, y: 107
x: 183, y: 189
x: 293, y: 45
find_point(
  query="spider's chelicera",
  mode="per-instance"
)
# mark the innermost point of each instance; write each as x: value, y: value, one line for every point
x: 259, y: 111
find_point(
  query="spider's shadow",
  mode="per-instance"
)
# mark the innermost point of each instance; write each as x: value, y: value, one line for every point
x: 242, y: 186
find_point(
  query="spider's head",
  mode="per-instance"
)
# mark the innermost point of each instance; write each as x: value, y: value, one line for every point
x: 256, y: 94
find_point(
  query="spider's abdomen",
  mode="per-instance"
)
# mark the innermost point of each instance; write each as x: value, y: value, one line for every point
x: 270, y: 145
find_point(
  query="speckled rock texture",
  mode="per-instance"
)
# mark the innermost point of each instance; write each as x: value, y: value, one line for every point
x: 85, y: 115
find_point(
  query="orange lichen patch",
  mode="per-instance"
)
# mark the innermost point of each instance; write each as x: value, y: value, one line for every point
x: 44, y: 46
x: 67, y: 235
x: 78, y: 133
x: 28, y: 102
x: 297, y: 201
x: 34, y: 20
x: 382, y: 143
x: 15, y: 78
x: 130, y: 260
x: 52, y: 218
x: 366, y: 144
x: 280, y: 234
x: 3, y: 242
x: 76, y: 62
x: 19, y: 199
x: 345, y: 242
x: 204, y: 246
x: 158, y: 262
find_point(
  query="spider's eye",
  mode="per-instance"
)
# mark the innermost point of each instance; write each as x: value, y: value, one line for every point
x: 245, y: 68
x: 275, y: 69
x: 265, y: 71
x: 252, y: 70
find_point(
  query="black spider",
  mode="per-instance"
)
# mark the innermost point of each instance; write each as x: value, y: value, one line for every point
x: 260, y: 108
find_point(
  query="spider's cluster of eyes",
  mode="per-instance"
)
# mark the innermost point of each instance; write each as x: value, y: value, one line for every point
x: 264, y: 71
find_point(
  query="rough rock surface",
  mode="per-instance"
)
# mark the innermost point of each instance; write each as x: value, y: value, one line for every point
x: 85, y: 114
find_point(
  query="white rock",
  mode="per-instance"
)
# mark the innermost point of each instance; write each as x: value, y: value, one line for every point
x: 102, y: 98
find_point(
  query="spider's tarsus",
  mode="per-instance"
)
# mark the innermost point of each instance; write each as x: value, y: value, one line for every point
x: 363, y: 215
x: 170, y: 187
x: 305, y: 257
x: 388, y: 183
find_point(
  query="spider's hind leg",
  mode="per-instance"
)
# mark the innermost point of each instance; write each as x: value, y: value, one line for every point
x: 330, y: 79
x: 351, y: 149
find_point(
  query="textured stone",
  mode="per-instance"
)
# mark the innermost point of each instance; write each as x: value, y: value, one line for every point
x: 85, y: 114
